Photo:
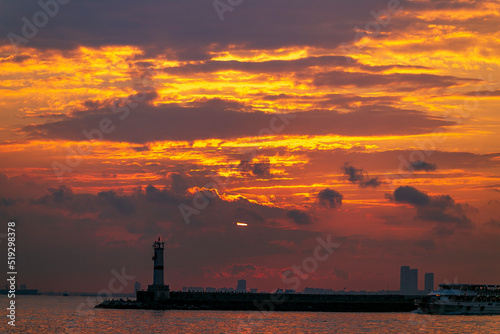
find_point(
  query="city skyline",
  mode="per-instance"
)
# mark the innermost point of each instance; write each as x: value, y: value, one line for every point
x: 291, y: 144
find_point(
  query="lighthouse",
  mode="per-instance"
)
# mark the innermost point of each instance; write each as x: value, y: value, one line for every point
x: 158, y: 263
x: 157, y: 291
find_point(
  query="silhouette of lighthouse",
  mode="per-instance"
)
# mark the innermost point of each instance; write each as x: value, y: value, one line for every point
x: 158, y: 263
x: 158, y: 290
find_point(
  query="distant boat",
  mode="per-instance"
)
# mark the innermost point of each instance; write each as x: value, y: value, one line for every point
x: 65, y: 293
x: 461, y: 299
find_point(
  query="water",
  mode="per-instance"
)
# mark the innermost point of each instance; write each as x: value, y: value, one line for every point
x: 51, y: 314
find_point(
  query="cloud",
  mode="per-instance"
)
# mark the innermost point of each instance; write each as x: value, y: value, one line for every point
x: 262, y: 169
x: 226, y: 119
x: 330, y: 199
x: 178, y: 183
x: 111, y: 220
x: 374, y: 182
x: 341, y: 273
x: 122, y: 204
x: 411, y: 195
x: 299, y: 217
x: 441, y: 208
x: 156, y: 25
x: 359, y: 177
x: 239, y: 269
x: 5, y: 201
x: 493, y: 223
x: 398, y: 81
x: 422, y: 165
x: 354, y: 174
x: 427, y: 244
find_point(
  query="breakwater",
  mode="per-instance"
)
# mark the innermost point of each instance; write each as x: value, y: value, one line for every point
x: 267, y: 302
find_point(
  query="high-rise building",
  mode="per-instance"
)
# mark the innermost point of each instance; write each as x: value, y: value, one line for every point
x: 137, y: 286
x: 429, y: 282
x: 242, y: 286
x: 408, y: 281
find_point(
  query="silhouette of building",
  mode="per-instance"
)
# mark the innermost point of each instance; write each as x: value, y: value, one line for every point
x: 158, y: 290
x: 242, y: 286
x: 137, y: 286
x: 429, y: 282
x: 408, y: 281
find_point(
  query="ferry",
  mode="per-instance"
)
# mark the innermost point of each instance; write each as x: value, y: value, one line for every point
x: 461, y: 299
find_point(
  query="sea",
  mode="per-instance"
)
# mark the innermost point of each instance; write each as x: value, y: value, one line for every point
x: 72, y: 314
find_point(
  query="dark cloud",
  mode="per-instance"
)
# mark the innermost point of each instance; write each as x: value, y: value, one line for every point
x: 60, y: 195
x: 329, y: 101
x: 178, y: 184
x: 399, y: 81
x: 299, y: 217
x: 411, y: 195
x: 121, y: 203
x: 116, y: 229
x: 443, y: 208
x: 359, y: 177
x: 422, y: 165
x: 143, y: 148
x: 493, y: 223
x: 330, y: 199
x: 341, y: 273
x: 190, y: 30
x: 427, y: 244
x: 440, y: 208
x: 271, y: 66
x: 239, y: 269
x: 442, y: 231
x: 373, y: 182
x: 484, y: 93
x: 400, y: 160
x: 262, y: 169
x: 5, y: 201
x: 354, y: 174
x: 15, y: 58
x: 224, y: 119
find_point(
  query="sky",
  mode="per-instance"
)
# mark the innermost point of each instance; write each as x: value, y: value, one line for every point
x: 351, y: 137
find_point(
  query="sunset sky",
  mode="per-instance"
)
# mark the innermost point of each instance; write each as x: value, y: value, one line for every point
x: 373, y: 122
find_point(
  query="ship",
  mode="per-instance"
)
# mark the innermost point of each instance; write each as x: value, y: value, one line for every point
x: 461, y: 299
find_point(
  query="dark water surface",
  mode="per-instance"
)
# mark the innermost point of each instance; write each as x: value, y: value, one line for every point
x: 51, y: 314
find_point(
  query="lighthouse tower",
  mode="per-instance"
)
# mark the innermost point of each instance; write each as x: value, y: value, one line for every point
x: 157, y: 291
x: 158, y: 263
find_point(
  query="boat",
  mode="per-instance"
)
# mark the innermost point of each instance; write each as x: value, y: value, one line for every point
x: 461, y: 299
x: 65, y: 294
